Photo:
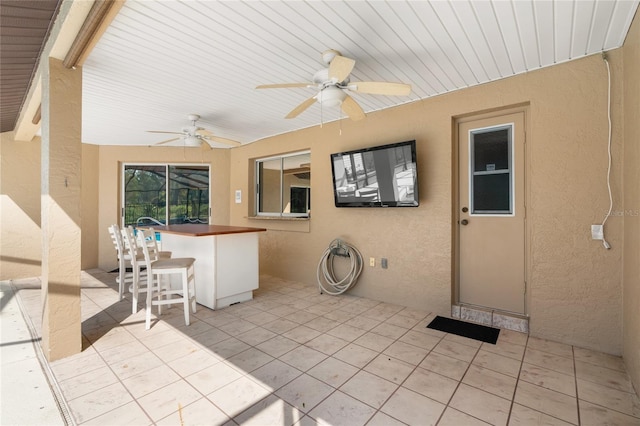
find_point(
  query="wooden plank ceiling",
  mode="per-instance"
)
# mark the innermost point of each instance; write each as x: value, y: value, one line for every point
x: 24, y: 27
x: 162, y: 60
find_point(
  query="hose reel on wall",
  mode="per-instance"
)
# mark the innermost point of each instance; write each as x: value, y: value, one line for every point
x: 327, y: 280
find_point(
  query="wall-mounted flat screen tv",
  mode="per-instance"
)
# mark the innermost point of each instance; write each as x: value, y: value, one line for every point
x: 380, y: 176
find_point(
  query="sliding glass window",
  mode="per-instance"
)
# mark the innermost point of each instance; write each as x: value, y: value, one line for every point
x: 156, y: 194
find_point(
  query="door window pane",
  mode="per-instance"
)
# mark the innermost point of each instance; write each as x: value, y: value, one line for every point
x: 491, y: 171
x: 144, y: 194
x: 189, y: 194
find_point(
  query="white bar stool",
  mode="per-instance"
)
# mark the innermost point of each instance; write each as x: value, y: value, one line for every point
x: 158, y: 267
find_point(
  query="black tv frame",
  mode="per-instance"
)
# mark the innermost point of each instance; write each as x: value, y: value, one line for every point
x: 351, y: 195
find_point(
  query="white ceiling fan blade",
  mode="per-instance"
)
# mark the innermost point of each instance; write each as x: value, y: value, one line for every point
x: 381, y: 88
x: 352, y: 109
x: 340, y: 68
x: 297, y: 110
x: 162, y: 131
x: 281, y: 86
x: 222, y: 140
x: 167, y: 141
x: 205, y: 145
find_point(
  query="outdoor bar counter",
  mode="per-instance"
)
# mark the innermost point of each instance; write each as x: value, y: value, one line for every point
x: 226, y: 268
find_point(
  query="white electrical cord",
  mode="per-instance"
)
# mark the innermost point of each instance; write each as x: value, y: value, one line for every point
x: 604, y: 240
x: 325, y: 268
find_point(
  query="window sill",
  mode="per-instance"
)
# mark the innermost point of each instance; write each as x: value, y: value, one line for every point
x: 285, y: 218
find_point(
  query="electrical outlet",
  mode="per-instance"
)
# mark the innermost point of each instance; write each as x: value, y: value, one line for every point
x: 372, y: 261
x: 383, y: 263
x: 596, y: 232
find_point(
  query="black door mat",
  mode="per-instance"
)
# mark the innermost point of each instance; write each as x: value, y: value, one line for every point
x: 465, y: 329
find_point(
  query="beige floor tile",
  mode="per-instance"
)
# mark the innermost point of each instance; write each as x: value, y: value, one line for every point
x: 129, y: 414
x: 369, y: 388
x: 161, y: 339
x: 346, y: 332
x: 322, y: 324
x: 301, y: 317
x: 550, y: 361
x: 389, y: 330
x: 255, y: 336
x: 150, y: 380
x: 412, y: 408
x: 228, y: 348
x: 194, y: 362
x: 237, y: 396
x: 445, y: 365
x: 122, y: 352
x: 355, y: 355
x: 514, y: 337
x: 303, y: 357
x: 327, y: 344
x: 462, y: 340
x: 280, y: 325
x: 624, y: 402
x: 269, y: 411
x: 389, y: 368
x: 406, y: 352
x: 262, y: 318
x: 275, y: 374
x: 99, y: 402
x: 333, y: 372
x: 213, y: 377
x: 200, y: 412
x: 88, y: 382
x: 604, y: 376
x: 453, y: 417
x: 340, y: 316
x: 170, y: 352
x: 277, y: 346
x: 432, y: 385
x: 363, y: 323
x: 548, y: 379
x: 481, y: 405
x: 525, y: 416
x: 340, y: 409
x: 77, y: 365
x: 249, y: 360
x: 499, y: 363
x: 373, y: 341
x: 456, y: 350
x: 211, y: 337
x: 403, y: 321
x: 135, y: 365
x: 555, y: 348
x: 599, y: 358
x: 301, y: 334
x: 550, y: 402
x: 505, y: 348
x: 304, y: 392
x: 596, y: 415
x: 422, y: 340
x: 490, y: 381
x: 166, y: 400
x: 382, y: 419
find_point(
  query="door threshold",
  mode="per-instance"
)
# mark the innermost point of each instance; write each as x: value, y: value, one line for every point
x: 491, y: 317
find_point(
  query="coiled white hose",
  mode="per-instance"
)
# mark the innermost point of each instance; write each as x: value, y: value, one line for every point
x: 326, y: 273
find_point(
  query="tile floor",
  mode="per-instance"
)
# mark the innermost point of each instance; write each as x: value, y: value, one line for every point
x: 294, y: 357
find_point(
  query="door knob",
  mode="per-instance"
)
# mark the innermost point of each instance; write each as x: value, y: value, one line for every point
x: 464, y: 222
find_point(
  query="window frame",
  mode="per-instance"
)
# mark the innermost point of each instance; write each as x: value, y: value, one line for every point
x: 257, y: 186
x: 167, y: 167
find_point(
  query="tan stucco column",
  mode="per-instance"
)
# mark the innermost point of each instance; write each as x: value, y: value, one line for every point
x: 61, y: 206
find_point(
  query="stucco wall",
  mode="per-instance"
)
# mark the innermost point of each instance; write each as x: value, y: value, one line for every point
x: 111, y: 160
x: 631, y: 217
x: 20, y: 240
x: 573, y: 283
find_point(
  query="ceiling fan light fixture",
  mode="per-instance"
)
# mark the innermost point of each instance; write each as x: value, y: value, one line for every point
x: 331, y: 96
x: 191, y: 141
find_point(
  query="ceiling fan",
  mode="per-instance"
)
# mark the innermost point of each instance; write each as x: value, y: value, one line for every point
x: 194, y: 135
x: 333, y: 85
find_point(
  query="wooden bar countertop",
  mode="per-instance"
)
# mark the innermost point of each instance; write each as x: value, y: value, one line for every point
x: 202, y: 230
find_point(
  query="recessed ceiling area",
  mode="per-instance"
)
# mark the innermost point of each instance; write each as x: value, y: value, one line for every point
x: 160, y: 61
